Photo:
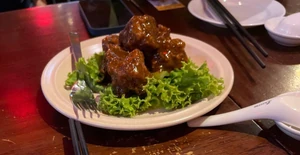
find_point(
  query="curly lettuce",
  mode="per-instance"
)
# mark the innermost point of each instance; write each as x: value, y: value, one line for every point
x: 170, y: 90
x: 88, y: 70
x: 124, y: 106
x: 174, y: 90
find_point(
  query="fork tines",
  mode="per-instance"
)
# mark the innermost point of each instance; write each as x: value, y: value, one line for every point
x: 238, y: 30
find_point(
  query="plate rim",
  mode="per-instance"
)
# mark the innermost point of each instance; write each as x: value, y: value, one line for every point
x: 220, y: 24
x: 131, y: 127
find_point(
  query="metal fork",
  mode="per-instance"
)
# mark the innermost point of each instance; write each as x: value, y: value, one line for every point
x: 81, y: 95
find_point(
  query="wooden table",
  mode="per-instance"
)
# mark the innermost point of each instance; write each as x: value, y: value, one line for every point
x: 29, y: 125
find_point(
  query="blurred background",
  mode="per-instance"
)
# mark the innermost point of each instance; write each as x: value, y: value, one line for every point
x: 10, y: 5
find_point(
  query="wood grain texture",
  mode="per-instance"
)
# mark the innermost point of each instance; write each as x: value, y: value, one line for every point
x: 29, y: 125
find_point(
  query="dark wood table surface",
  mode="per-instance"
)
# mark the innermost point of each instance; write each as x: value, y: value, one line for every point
x: 29, y: 125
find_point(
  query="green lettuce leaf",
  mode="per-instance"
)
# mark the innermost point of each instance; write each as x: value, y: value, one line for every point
x: 113, y: 105
x: 177, y: 89
x: 191, y: 83
x: 88, y: 71
x: 72, y: 78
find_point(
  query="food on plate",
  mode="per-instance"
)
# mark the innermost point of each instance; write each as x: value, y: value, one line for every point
x: 144, y: 68
x: 140, y: 32
x: 110, y: 40
x: 125, y: 62
x: 162, y: 52
x: 127, y: 70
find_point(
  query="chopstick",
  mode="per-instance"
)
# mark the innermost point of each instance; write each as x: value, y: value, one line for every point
x: 76, y: 130
x: 234, y: 26
x: 240, y: 27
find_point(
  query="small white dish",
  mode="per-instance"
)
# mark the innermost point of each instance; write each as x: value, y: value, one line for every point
x: 283, y: 32
x: 289, y: 130
x: 241, y: 9
x: 290, y: 25
x: 275, y: 9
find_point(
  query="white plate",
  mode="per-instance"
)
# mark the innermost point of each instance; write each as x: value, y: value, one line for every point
x: 275, y: 9
x: 55, y: 73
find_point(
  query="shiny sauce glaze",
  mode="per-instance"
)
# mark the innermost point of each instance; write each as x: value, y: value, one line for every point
x: 141, y: 48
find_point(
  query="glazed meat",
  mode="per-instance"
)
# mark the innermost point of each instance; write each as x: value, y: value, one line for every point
x: 110, y: 40
x: 163, y: 34
x: 139, y: 33
x: 170, y: 53
x: 142, y: 46
x: 169, y: 56
x: 127, y: 70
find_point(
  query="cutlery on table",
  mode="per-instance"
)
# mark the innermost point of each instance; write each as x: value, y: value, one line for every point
x: 81, y: 96
x: 238, y: 30
x: 284, y: 108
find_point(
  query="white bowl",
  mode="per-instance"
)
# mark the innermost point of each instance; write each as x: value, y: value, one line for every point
x: 278, y: 36
x: 289, y: 130
x: 290, y: 25
x: 241, y: 9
